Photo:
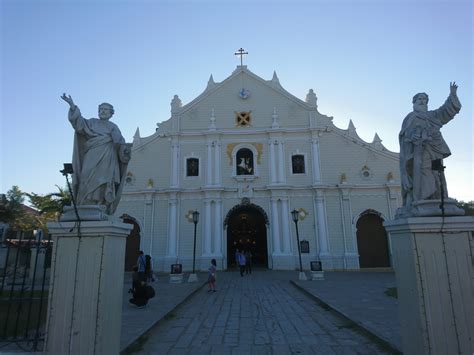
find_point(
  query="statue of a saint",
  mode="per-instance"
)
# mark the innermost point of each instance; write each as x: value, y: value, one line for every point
x: 100, y: 158
x: 422, y: 149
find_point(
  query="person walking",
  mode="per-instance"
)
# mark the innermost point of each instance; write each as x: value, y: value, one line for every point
x: 248, y: 262
x: 149, y: 269
x: 236, y: 255
x: 211, y: 280
x: 241, y: 258
x: 141, y: 266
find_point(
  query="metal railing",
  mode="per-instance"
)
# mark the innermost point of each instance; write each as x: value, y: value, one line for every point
x: 24, y: 292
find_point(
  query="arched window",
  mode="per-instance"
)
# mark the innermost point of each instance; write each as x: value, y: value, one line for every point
x: 297, y: 163
x: 244, y: 162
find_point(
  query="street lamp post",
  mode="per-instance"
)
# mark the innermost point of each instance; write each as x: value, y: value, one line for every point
x: 295, y: 215
x: 195, y: 221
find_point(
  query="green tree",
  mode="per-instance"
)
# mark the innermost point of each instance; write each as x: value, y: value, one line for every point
x: 468, y: 207
x: 14, y: 212
x: 50, y: 206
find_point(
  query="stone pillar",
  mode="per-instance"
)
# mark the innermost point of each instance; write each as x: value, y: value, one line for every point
x: 174, y: 162
x: 316, y: 163
x: 434, y: 267
x: 85, y: 295
x: 281, y: 163
x: 207, y: 227
x: 218, y: 229
x: 217, y: 160
x: 209, y: 164
x: 275, y: 227
x: 40, y: 260
x: 285, y: 215
x: 321, y: 220
x: 172, y: 230
x: 272, y: 163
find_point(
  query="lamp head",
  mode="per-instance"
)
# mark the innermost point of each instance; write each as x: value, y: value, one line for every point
x: 294, y: 215
x: 195, y: 216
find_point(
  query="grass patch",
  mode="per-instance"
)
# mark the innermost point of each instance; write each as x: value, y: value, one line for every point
x: 391, y: 292
x: 26, y: 310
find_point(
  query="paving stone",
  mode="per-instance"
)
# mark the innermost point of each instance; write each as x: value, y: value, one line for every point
x: 258, y: 314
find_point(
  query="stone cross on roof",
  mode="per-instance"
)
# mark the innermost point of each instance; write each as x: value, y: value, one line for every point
x: 241, y: 52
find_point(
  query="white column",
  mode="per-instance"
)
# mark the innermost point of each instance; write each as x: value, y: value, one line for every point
x: 272, y: 162
x: 174, y: 163
x: 209, y: 164
x: 322, y: 224
x: 207, y: 227
x: 218, y: 229
x: 281, y: 163
x: 172, y: 230
x: 217, y: 159
x: 285, y: 216
x: 275, y: 227
x: 316, y: 161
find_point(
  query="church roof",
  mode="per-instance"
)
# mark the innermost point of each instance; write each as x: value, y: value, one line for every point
x: 273, y: 84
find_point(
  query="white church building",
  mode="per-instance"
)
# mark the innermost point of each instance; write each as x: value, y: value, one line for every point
x: 244, y: 154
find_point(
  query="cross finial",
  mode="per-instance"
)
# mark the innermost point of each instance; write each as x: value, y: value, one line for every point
x: 241, y: 52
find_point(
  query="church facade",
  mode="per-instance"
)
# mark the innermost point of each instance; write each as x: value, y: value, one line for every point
x: 244, y: 154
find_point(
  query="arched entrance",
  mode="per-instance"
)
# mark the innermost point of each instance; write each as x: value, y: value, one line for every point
x: 132, y: 246
x: 372, y: 241
x: 246, y: 230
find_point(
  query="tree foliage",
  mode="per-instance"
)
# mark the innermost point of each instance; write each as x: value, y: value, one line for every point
x: 44, y: 208
x: 468, y: 207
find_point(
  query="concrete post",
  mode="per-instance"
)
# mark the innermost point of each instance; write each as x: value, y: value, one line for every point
x: 85, y: 297
x: 433, y: 260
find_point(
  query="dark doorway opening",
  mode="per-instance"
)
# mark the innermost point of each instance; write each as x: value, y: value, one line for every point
x: 372, y: 241
x: 246, y: 230
x: 132, y: 246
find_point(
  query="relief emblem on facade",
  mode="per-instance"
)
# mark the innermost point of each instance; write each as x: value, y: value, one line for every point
x: 242, y: 119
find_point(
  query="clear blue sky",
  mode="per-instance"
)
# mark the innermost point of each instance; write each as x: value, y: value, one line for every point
x: 364, y: 59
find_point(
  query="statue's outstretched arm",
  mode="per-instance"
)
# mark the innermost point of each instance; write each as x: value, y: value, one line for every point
x: 69, y: 100
x: 453, y: 88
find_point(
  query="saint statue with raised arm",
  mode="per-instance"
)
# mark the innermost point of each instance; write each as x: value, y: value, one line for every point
x: 422, y: 150
x: 100, y: 158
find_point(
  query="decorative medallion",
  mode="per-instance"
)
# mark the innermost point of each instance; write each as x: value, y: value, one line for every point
x: 242, y: 118
x: 244, y: 94
x: 365, y: 172
x: 302, y: 214
x: 189, y: 216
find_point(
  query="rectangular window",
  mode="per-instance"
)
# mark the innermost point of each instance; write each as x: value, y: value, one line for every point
x: 297, y: 162
x: 192, y: 167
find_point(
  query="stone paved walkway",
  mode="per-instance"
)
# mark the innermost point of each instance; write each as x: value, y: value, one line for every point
x: 262, y: 314
x: 137, y: 321
x: 360, y: 296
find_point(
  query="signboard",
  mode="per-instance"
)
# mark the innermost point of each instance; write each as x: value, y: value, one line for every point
x: 304, y: 246
x: 176, y: 268
x: 316, y: 266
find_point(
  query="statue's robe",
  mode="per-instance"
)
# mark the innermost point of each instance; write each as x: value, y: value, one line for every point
x: 428, y: 125
x: 99, y: 174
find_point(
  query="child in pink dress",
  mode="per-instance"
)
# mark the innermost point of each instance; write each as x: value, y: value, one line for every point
x: 211, y: 280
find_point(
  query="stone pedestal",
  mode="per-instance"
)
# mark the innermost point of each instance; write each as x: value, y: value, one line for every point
x: 302, y: 276
x: 193, y: 278
x: 317, y: 275
x: 39, y: 260
x: 176, y: 278
x: 85, y: 295
x: 433, y: 261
